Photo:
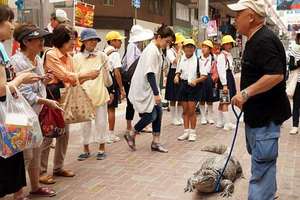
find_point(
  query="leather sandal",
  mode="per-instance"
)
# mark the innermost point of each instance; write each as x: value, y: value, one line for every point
x: 47, y: 180
x: 64, y: 173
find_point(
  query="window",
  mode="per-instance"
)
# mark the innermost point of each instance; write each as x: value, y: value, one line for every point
x: 156, y: 6
x: 108, y: 2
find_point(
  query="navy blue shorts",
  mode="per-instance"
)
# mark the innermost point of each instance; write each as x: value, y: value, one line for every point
x: 189, y: 93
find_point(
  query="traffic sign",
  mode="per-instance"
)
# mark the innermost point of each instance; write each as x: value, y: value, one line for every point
x: 136, y: 3
x: 205, y: 19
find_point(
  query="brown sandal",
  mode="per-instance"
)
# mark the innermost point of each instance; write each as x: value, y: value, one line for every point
x: 47, y: 180
x: 44, y: 192
x: 64, y: 173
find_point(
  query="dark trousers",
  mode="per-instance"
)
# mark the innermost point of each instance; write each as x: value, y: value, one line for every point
x: 129, y: 107
x: 296, y: 106
x: 154, y: 117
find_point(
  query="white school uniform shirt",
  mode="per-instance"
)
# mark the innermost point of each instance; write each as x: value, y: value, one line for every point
x: 206, y: 63
x: 114, y: 59
x: 187, y: 68
x: 222, y: 65
x: 171, y: 56
x: 140, y: 92
x: 133, y: 53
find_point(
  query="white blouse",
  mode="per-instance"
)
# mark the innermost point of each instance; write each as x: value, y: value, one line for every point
x: 224, y: 62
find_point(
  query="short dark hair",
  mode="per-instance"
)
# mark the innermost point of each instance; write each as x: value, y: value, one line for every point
x: 19, y: 30
x: 165, y: 31
x: 61, y: 35
x: 6, y: 14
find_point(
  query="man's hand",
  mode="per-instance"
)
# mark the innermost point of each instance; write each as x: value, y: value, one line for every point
x: 157, y: 99
x: 238, y: 100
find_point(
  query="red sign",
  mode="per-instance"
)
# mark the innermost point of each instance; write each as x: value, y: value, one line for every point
x: 84, y: 15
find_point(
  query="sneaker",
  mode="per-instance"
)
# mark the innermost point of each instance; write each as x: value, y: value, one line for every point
x: 184, y: 136
x: 220, y: 125
x: 203, y: 121
x: 192, y: 137
x: 158, y: 147
x: 101, y: 155
x: 294, y: 131
x: 176, y: 122
x: 229, y: 127
x: 83, y: 156
x: 181, y: 121
x: 210, y: 121
x: 114, y: 138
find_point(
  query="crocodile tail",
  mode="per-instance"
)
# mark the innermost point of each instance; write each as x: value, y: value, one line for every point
x: 219, y: 149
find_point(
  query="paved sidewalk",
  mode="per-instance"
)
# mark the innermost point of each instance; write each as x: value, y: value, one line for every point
x: 144, y: 175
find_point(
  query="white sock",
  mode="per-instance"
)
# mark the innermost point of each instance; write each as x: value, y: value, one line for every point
x: 179, y: 112
x: 226, y: 117
x: 110, y: 132
x: 186, y: 130
x: 172, y: 110
x: 220, y: 117
x: 210, y: 112
x: 202, y: 110
x: 193, y: 131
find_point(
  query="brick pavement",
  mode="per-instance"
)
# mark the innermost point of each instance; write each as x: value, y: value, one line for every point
x: 143, y: 175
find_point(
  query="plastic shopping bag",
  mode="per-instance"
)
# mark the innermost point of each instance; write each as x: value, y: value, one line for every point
x: 19, y: 125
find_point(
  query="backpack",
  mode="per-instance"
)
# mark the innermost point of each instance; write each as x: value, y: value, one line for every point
x: 127, y: 75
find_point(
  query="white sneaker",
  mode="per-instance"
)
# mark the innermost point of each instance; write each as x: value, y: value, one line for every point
x: 220, y: 125
x: 114, y: 138
x: 192, y: 137
x: 294, y: 131
x: 180, y: 120
x: 210, y: 121
x: 229, y: 127
x: 203, y: 121
x: 176, y: 122
x: 184, y: 136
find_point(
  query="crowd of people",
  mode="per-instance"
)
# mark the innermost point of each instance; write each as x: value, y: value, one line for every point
x: 48, y: 61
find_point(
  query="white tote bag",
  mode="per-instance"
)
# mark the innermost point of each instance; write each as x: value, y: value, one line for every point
x: 292, y: 82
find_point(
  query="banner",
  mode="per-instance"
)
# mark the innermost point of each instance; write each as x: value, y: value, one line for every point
x: 288, y: 4
x: 84, y: 15
x: 212, y: 28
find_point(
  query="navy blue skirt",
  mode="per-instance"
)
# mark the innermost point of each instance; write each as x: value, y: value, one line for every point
x: 189, y: 93
x: 171, y: 88
x: 209, y: 90
x: 230, y: 83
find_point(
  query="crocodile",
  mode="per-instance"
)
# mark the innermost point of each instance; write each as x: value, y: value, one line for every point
x: 205, y: 179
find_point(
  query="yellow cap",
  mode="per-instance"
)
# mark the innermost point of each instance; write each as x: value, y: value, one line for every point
x: 227, y: 39
x: 179, y: 38
x: 189, y: 41
x: 208, y: 43
x: 114, y: 35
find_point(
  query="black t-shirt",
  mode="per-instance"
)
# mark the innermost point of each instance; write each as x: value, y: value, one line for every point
x: 265, y: 55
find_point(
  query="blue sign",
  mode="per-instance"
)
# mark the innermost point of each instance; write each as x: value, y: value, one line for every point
x: 136, y: 3
x: 205, y: 19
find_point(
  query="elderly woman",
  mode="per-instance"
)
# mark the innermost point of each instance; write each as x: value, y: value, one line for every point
x: 58, y: 62
x: 12, y: 170
x: 31, y: 40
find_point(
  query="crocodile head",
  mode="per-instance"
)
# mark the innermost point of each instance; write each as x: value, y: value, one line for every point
x: 206, y: 181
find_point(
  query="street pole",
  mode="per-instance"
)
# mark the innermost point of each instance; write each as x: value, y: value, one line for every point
x: 135, y: 15
x: 202, y: 11
x: 42, y: 14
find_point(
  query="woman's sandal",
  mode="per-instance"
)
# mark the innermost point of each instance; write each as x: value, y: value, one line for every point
x: 44, y: 192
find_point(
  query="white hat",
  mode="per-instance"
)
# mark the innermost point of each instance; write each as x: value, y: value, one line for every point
x: 61, y: 15
x: 138, y: 34
x: 258, y: 6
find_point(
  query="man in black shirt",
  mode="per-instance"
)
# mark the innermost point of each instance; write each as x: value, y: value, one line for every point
x: 263, y: 97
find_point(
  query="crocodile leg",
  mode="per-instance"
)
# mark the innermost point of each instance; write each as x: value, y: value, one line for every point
x: 227, y: 187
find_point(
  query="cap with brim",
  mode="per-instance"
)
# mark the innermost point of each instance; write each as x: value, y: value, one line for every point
x: 61, y: 16
x: 89, y: 34
x: 33, y: 34
x: 189, y: 42
x: 143, y: 35
x: 258, y: 6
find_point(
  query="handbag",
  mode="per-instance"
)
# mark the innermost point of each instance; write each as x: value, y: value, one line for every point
x: 292, y: 82
x: 52, y: 121
x: 77, y: 106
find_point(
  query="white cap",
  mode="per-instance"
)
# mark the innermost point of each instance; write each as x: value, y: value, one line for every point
x: 61, y: 15
x: 258, y: 6
x: 138, y: 34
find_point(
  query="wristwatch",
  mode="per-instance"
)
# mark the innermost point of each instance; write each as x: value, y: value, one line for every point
x: 245, y: 95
